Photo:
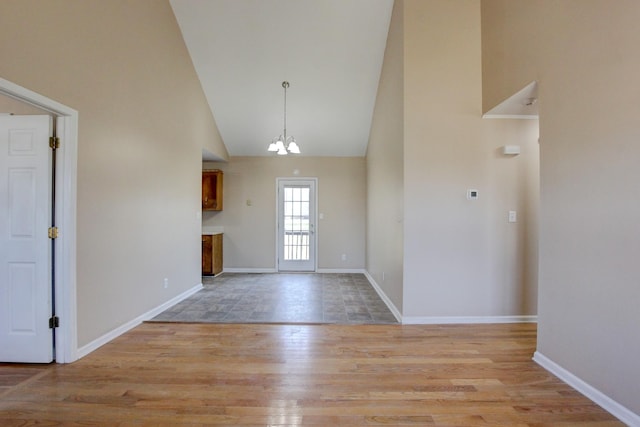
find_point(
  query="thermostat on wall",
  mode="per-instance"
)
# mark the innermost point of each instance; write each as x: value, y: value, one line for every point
x: 511, y: 150
x: 472, y: 194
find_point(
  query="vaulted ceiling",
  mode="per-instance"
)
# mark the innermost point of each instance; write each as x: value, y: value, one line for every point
x: 330, y: 51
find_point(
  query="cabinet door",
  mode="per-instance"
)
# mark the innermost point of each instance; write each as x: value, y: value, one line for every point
x: 207, y: 255
x: 217, y: 254
x: 212, y: 190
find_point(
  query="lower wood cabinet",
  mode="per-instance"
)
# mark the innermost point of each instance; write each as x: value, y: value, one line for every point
x: 211, y: 254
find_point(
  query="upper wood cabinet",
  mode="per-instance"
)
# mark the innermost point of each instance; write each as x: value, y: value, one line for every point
x: 212, y: 190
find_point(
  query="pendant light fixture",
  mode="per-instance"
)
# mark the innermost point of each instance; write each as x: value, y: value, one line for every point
x: 284, y: 144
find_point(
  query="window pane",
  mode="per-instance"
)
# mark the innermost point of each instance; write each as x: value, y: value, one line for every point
x: 296, y: 223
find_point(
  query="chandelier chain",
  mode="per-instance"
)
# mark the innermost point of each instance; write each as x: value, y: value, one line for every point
x: 285, y: 85
x: 284, y: 144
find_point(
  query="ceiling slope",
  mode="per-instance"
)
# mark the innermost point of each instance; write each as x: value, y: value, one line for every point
x: 330, y: 51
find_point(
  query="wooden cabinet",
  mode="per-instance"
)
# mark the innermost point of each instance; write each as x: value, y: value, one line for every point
x: 211, y: 254
x: 212, y: 190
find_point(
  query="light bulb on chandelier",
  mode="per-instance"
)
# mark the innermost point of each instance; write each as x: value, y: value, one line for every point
x: 284, y: 144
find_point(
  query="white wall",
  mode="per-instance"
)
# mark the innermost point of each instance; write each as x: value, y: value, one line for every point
x: 143, y: 121
x: 584, y: 54
x: 249, y: 231
x: 385, y: 173
x: 462, y: 257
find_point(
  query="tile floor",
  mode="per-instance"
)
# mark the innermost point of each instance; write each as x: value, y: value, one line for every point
x: 282, y: 298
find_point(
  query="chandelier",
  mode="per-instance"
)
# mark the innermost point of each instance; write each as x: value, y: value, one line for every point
x: 284, y: 144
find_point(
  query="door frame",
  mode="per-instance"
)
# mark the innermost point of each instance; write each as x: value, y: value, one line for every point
x: 315, y: 212
x: 66, y: 196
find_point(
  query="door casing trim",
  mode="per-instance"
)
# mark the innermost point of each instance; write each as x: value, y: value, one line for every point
x: 66, y: 350
x: 317, y: 226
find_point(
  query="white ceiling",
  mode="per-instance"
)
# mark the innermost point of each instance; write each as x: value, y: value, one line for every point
x: 330, y: 51
x: 521, y: 105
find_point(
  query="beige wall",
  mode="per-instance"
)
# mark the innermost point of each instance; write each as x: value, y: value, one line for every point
x: 143, y: 121
x: 249, y: 231
x: 584, y: 54
x: 385, y: 186
x: 462, y: 257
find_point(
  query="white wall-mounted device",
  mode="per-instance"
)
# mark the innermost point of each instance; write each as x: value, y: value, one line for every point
x: 511, y: 150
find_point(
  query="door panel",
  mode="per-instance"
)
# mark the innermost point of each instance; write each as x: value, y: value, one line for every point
x: 22, y: 294
x: 25, y: 249
x: 296, y: 225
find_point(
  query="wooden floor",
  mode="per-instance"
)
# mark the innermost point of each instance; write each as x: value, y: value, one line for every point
x: 290, y: 375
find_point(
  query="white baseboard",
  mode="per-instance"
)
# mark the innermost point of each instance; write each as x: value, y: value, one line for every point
x: 610, y: 405
x: 340, y: 270
x: 392, y: 307
x: 250, y: 270
x: 274, y: 270
x: 99, y: 342
x: 445, y: 320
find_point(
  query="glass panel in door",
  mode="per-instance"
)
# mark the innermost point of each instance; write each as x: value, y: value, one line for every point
x: 296, y: 225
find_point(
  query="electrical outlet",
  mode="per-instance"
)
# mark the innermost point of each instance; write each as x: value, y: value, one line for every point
x: 165, y: 282
x: 344, y: 257
x: 513, y: 217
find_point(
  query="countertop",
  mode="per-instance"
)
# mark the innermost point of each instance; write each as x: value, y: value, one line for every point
x: 212, y: 230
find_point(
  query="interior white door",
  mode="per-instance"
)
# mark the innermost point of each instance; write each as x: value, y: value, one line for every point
x: 296, y: 224
x: 25, y: 248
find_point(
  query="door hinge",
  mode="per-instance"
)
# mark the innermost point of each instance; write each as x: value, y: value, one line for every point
x: 54, y: 142
x: 53, y: 232
x: 54, y: 322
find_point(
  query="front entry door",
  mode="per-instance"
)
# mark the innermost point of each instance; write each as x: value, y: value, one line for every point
x: 296, y: 224
x: 25, y: 248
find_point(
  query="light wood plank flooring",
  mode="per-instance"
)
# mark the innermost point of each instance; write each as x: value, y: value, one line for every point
x: 291, y: 375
